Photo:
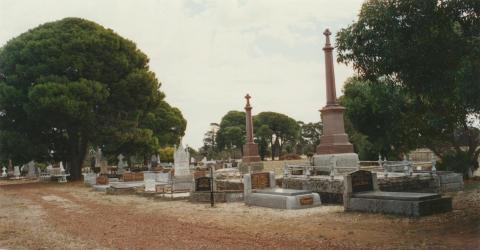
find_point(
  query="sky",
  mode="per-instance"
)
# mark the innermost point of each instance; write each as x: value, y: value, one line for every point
x: 209, y: 54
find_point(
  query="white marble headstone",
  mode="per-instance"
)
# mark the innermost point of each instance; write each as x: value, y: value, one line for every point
x: 150, y: 186
x: 181, y: 159
x: 62, y: 169
x: 31, y: 169
x: 121, y: 164
x: 16, y: 171
x: 4, y: 172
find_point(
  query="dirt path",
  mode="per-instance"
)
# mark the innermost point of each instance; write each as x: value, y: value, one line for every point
x: 53, y: 216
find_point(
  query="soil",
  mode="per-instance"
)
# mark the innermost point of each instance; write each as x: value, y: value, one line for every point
x: 71, y: 216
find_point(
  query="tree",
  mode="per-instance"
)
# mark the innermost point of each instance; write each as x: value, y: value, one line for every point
x: 309, y: 137
x: 432, y: 49
x: 283, y: 130
x: 71, y: 84
x: 232, y: 131
x: 381, y: 113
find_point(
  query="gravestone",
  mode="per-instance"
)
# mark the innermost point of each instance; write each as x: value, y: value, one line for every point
x: 203, y: 184
x: 16, y: 171
x: 260, y: 180
x: 31, y: 170
x: 149, y: 178
x: 181, y: 161
x: 362, y: 181
x: 362, y: 194
x: 150, y: 186
x: 102, y: 180
x: 260, y: 190
x: 4, y: 172
x: 120, y: 165
x: 62, y: 169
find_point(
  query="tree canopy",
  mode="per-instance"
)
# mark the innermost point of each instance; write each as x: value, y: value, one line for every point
x: 71, y: 84
x: 431, y: 50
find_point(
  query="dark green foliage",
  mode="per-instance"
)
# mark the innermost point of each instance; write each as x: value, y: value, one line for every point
x: 380, y: 115
x: 71, y: 84
x: 431, y: 49
x: 309, y: 137
x: 232, y: 130
x: 276, y: 129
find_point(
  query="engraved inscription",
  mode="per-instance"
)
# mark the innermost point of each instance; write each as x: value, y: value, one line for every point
x: 362, y: 181
x: 202, y: 184
x: 260, y: 180
x: 306, y: 201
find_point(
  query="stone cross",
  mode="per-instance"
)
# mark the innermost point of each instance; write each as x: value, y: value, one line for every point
x: 334, y: 139
x: 250, y: 149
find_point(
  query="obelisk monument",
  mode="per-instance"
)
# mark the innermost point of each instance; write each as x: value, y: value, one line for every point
x: 334, y: 146
x: 334, y: 139
x: 250, y: 149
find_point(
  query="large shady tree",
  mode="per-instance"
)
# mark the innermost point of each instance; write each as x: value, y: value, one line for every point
x: 431, y: 50
x: 72, y: 84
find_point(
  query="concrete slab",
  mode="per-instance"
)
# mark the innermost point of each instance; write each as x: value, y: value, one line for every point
x: 401, y: 196
x: 282, y: 191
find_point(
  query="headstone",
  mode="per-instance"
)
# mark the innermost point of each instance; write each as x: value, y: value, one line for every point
x: 181, y: 161
x: 62, y: 169
x: 31, y: 170
x: 150, y: 186
x: 121, y: 164
x: 16, y: 171
x: 260, y: 180
x: 362, y: 181
x: 4, y: 172
x: 102, y: 180
x: 202, y: 184
x: 98, y: 158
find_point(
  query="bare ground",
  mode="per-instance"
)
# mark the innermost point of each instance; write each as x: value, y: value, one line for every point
x: 70, y: 216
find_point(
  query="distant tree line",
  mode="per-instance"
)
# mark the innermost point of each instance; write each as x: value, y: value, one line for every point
x: 276, y: 135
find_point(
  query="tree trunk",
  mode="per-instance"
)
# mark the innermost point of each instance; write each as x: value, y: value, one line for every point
x: 78, y: 150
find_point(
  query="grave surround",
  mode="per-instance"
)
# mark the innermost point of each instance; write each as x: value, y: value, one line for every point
x: 361, y: 194
x: 260, y: 191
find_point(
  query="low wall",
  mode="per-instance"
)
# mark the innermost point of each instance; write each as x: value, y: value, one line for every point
x: 331, y: 191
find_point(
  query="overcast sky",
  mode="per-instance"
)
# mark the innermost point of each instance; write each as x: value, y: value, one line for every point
x: 209, y: 54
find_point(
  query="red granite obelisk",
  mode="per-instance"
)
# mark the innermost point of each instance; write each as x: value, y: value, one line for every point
x: 250, y: 149
x: 334, y: 139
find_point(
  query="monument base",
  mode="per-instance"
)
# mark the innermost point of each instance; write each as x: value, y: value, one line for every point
x: 347, y: 162
x: 334, y: 139
x: 250, y: 153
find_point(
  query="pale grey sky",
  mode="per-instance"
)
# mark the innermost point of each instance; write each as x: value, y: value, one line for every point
x: 209, y: 54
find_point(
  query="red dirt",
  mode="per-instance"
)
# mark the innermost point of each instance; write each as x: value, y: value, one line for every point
x: 131, y: 222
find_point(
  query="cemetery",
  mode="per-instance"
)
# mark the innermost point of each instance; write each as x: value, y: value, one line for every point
x: 93, y: 154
